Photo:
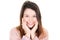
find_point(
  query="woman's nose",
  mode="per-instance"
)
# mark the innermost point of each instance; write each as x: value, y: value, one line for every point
x: 30, y: 19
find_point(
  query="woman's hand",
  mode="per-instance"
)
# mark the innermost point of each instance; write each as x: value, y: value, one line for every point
x: 34, y: 30
x: 26, y: 29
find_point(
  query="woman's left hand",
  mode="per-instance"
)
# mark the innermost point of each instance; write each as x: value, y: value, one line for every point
x: 34, y: 30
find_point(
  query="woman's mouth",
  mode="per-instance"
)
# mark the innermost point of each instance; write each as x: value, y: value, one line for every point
x: 30, y: 25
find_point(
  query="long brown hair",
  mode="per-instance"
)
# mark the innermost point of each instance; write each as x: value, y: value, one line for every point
x: 33, y: 6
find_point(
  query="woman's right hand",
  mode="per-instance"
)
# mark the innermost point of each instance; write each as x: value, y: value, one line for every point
x: 25, y: 28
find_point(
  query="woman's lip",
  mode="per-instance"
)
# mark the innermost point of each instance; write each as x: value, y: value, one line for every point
x: 30, y: 23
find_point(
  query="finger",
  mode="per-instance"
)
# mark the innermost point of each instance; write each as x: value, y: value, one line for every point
x: 23, y: 21
x: 35, y: 27
x: 24, y: 25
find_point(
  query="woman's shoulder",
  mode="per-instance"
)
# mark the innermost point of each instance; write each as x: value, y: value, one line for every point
x: 15, y: 34
x: 14, y: 31
x: 44, y: 34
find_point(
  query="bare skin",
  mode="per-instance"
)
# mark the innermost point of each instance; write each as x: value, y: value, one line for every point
x: 28, y: 31
x: 29, y: 23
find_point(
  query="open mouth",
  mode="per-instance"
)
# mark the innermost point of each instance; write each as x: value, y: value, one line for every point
x: 31, y: 27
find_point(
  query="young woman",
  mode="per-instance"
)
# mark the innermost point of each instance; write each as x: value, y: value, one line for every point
x: 30, y: 27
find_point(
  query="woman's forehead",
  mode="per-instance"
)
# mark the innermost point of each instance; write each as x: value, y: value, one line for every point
x: 29, y: 11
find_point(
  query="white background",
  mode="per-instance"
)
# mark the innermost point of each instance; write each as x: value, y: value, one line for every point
x: 10, y: 10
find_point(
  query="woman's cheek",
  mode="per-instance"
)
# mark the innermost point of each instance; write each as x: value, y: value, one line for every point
x: 35, y: 20
x: 26, y: 19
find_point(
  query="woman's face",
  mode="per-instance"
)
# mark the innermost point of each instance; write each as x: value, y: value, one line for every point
x: 30, y: 17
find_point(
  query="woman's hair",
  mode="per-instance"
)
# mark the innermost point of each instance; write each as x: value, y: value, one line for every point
x: 33, y: 6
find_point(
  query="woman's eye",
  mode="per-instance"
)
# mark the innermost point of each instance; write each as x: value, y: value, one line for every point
x: 34, y: 16
x: 26, y: 16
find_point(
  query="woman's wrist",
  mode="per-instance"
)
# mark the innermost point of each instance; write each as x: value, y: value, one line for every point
x: 33, y: 36
x: 27, y: 35
x: 25, y: 38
